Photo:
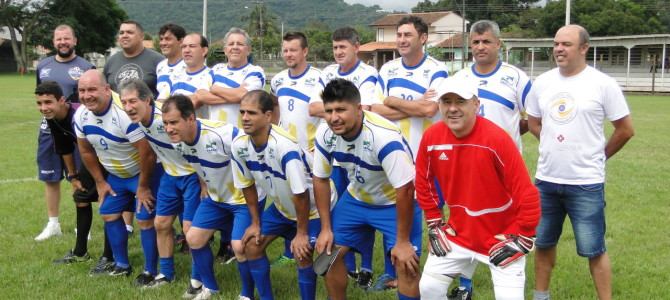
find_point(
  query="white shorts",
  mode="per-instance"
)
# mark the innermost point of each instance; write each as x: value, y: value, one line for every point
x: 463, y: 261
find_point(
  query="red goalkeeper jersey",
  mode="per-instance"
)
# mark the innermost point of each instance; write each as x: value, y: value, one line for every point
x: 483, y: 180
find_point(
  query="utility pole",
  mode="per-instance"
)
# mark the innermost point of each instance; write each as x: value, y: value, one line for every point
x: 464, y: 56
x: 567, y: 12
x: 204, y: 18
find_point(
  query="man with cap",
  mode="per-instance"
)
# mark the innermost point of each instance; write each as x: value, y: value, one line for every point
x: 493, y: 206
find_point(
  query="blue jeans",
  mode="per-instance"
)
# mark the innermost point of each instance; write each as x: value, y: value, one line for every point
x: 584, y: 204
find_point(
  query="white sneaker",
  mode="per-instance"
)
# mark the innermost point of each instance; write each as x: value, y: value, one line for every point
x: 89, y: 234
x: 205, y: 294
x: 240, y: 297
x: 51, y: 230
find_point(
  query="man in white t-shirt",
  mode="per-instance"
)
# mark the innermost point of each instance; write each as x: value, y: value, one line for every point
x: 567, y: 108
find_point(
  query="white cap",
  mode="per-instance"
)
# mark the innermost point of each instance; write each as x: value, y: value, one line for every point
x: 459, y: 85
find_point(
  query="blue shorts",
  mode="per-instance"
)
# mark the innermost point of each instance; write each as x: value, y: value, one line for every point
x: 125, y: 189
x: 274, y: 223
x: 340, y: 180
x: 178, y: 194
x: 584, y: 204
x: 354, y: 223
x: 50, y: 167
x: 214, y: 215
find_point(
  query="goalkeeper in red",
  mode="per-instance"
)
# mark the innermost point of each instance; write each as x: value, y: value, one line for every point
x: 493, y: 206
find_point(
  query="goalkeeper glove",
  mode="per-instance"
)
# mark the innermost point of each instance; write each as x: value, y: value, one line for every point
x: 510, y: 248
x: 437, y: 237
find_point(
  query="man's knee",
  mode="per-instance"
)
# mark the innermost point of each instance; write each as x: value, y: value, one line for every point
x: 145, y: 224
x: 163, y: 224
x: 434, y: 286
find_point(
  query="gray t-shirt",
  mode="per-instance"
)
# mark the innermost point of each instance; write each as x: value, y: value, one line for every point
x: 143, y: 66
x: 65, y: 73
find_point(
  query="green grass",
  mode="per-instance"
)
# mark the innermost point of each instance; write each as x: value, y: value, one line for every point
x: 637, y: 210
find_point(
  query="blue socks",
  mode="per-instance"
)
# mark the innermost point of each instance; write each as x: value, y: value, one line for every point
x: 204, y: 261
x: 167, y: 267
x: 466, y: 283
x: 388, y: 266
x: 403, y: 297
x: 307, y: 283
x: 118, y: 240
x: 194, y: 270
x: 287, y: 248
x: 247, y: 279
x: 350, y: 261
x: 150, y: 247
x: 260, y: 271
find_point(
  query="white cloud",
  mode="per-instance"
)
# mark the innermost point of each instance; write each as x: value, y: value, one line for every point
x: 399, y: 5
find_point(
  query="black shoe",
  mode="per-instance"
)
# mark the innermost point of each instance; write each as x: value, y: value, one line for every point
x: 364, y: 280
x: 225, y: 256
x: 191, y: 292
x: 143, y: 279
x: 102, y: 267
x: 158, y: 281
x: 119, y: 271
x: 352, y: 275
x: 460, y: 293
x: 70, y: 258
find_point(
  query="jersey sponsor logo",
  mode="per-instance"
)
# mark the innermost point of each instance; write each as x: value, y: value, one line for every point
x: 562, y: 108
x: 243, y: 152
x: 44, y: 73
x: 128, y: 72
x: 211, y: 147
x: 310, y: 82
x: 75, y: 72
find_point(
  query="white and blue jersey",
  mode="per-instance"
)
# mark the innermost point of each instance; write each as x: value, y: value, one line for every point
x: 210, y: 155
x: 294, y: 94
x: 187, y: 83
x: 163, y: 71
x: 173, y: 162
x: 250, y: 76
x: 279, y: 167
x: 502, y: 96
x: 410, y: 83
x: 377, y: 161
x: 364, y: 77
x: 111, y: 134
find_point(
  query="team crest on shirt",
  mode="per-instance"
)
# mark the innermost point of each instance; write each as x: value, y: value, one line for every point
x: 114, y: 122
x: 330, y: 143
x: 507, y: 80
x: 330, y: 76
x: 310, y: 82
x: 426, y: 73
x: 211, y: 147
x: 355, y: 80
x: 562, y: 108
x: 45, y: 72
x: 75, y: 72
x: 160, y: 128
x: 392, y: 72
x: 243, y: 152
x: 279, y: 81
x: 271, y: 153
x: 367, y: 146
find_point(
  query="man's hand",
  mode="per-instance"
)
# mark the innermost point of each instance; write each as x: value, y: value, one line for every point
x: 403, y: 255
x: 145, y: 198
x: 510, y: 248
x: 300, y: 247
x: 438, y: 244
x: 429, y: 95
x: 76, y: 185
x: 252, y: 232
x: 103, y: 189
x: 324, y: 242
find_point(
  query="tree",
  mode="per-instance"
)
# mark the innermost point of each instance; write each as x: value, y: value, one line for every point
x: 22, y: 17
x: 504, y: 12
x: 262, y: 28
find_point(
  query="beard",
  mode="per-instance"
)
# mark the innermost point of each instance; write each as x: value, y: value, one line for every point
x: 65, y: 54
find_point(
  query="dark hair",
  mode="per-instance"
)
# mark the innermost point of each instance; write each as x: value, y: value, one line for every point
x: 266, y: 101
x: 293, y: 35
x: 138, y: 25
x: 419, y: 24
x: 180, y: 102
x: 346, y: 33
x: 49, y: 88
x: 203, y: 40
x: 341, y: 90
x: 142, y: 89
x: 178, y: 31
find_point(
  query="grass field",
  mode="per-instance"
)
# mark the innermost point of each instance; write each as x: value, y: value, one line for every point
x: 637, y: 211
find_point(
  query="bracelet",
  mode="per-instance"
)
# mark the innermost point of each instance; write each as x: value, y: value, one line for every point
x: 72, y: 176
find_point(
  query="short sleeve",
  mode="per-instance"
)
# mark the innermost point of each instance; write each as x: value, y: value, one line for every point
x: 255, y: 80
x: 242, y: 177
x: 397, y: 163
x: 322, y: 155
x: 614, y: 103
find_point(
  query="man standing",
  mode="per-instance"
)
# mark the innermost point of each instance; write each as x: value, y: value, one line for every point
x: 58, y: 113
x: 234, y: 79
x: 281, y: 168
x: 179, y: 190
x: 65, y: 68
x: 196, y: 79
x: 206, y: 145
x: 409, y: 82
x: 380, y: 194
x: 134, y: 61
x: 170, y: 38
x: 106, y: 135
x: 567, y: 108
x: 493, y: 205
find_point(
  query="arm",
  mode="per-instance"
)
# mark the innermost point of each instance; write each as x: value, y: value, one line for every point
x: 147, y: 165
x: 90, y: 160
x: 403, y: 254
x: 254, y: 230
x: 68, y: 160
x: 535, y: 126
x: 523, y: 126
x: 322, y: 198
x: 519, y: 185
x: 316, y: 109
x: 228, y: 95
x: 389, y: 112
x: 623, y: 131
x: 300, y: 246
x: 414, y: 108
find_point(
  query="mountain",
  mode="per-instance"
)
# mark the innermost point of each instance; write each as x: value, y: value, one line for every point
x: 223, y: 14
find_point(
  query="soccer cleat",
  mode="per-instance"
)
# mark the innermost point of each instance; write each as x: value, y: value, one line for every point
x: 352, y: 275
x: 70, y: 258
x: 143, y: 279
x: 384, y: 282
x: 191, y: 292
x: 283, y: 260
x: 102, y: 267
x: 460, y: 293
x: 205, y: 294
x: 225, y: 256
x: 160, y: 280
x: 51, y: 230
x: 120, y: 271
x: 364, y: 280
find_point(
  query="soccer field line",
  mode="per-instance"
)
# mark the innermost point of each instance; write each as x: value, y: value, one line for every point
x: 17, y: 180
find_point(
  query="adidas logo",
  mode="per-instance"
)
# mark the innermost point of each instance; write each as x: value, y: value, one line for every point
x: 443, y: 156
